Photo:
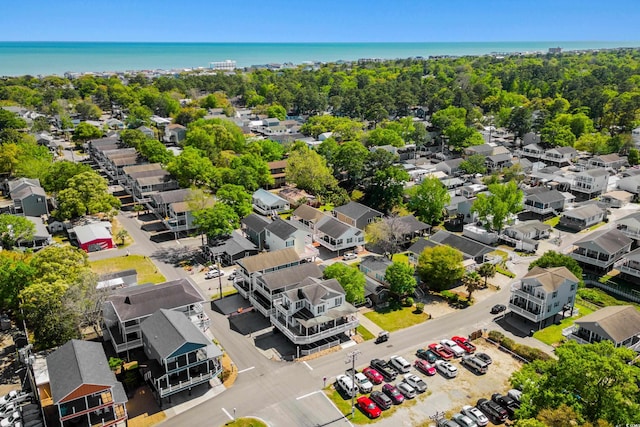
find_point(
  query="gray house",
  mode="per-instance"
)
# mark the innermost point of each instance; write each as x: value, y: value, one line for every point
x: 356, y: 214
x: 601, y: 249
x: 619, y: 324
x: 28, y: 197
x: 543, y: 201
x: 582, y: 217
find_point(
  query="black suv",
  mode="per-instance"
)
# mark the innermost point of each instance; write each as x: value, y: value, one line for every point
x: 506, y: 402
x: 385, y: 370
x: 496, y: 413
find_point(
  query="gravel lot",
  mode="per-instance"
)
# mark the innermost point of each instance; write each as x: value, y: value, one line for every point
x: 449, y: 395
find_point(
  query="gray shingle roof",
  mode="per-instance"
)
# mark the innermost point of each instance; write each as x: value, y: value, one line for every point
x: 355, y: 210
x: 308, y: 213
x: 167, y: 331
x: 334, y: 228
x: 290, y: 276
x: 618, y: 322
x: 609, y: 241
x: 583, y: 212
x: 269, y: 260
x: 463, y: 244
x: 375, y: 263
x: 420, y: 245
x: 233, y: 245
x: 140, y: 301
x: 543, y: 195
x: 281, y: 228
x: 255, y: 222
x: 77, y: 363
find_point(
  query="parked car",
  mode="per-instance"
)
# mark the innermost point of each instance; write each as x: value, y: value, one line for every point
x: 233, y: 275
x: 463, y: 421
x: 346, y: 385
x: 464, y: 343
x: 484, y: 357
x: 400, y: 364
x: 498, y: 308
x: 9, y: 397
x: 373, y: 375
x: 475, y: 364
x: 393, y: 393
x: 425, y: 367
x: 506, y: 402
x: 443, y: 422
x: 349, y: 256
x: 515, y: 395
x: 213, y: 273
x: 382, y: 400
x: 10, y: 420
x: 383, y: 336
x: 446, y: 369
x: 384, y: 369
x: 427, y: 355
x: 406, y: 390
x: 494, y: 412
x: 476, y: 415
x: 363, y: 383
x: 453, y: 347
x: 441, y: 351
x: 8, y: 409
x: 416, y: 382
x: 369, y: 407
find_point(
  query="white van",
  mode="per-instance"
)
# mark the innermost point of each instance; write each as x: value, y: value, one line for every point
x: 345, y: 383
x: 400, y: 364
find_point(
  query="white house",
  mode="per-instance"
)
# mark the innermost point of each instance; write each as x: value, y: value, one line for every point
x: 590, y: 183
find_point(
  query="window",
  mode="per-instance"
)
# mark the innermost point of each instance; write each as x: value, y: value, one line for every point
x: 350, y: 240
x: 268, y: 233
x: 289, y: 243
x: 299, y: 305
x: 320, y: 309
x: 555, y: 294
x: 339, y: 301
x: 557, y: 303
x: 573, y: 286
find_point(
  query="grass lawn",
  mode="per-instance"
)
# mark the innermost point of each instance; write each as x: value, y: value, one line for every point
x: 147, y: 271
x: 403, y: 258
x: 116, y: 228
x: 396, y: 317
x: 364, y: 333
x: 553, y: 221
x: 553, y: 334
x: 359, y: 417
x: 246, y: 422
x: 593, y: 227
x: 500, y: 253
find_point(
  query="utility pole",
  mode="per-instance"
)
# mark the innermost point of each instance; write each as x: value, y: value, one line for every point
x: 351, y: 358
x: 219, y: 274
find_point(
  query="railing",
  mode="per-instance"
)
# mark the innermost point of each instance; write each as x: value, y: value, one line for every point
x: 629, y: 233
x: 523, y: 294
x: 241, y: 290
x: 308, y: 339
x: 524, y: 313
x: 591, y: 260
x: 182, y: 385
x: 614, y: 288
x: 623, y: 268
x: 320, y: 348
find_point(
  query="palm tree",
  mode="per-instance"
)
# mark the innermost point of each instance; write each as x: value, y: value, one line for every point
x: 122, y: 234
x: 138, y: 209
x: 471, y: 281
x: 487, y: 270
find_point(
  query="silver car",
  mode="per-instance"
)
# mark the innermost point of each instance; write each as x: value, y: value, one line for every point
x: 475, y: 414
x: 408, y: 391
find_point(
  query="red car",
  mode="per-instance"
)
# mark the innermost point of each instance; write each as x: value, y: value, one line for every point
x: 441, y: 351
x: 374, y: 376
x: 464, y: 343
x: 368, y: 407
x: 424, y: 367
x: 393, y: 393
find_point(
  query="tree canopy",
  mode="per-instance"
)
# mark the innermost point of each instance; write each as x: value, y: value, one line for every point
x: 86, y: 194
x: 557, y: 259
x: 350, y: 278
x: 440, y: 267
x: 495, y: 208
x: 428, y: 200
x: 400, y: 278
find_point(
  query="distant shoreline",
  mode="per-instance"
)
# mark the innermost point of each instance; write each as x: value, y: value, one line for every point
x: 57, y: 58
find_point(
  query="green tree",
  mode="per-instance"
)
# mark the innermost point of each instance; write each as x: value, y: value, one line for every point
x: 382, y: 136
x: 88, y: 110
x: 85, y: 132
x: 634, y: 156
x: 446, y: 117
x: 594, y: 143
x: 267, y: 149
x: 555, y: 134
x: 155, y: 151
x: 59, y: 173
x: 122, y: 235
x: 400, y: 278
x: 519, y: 121
x: 237, y: 198
x: 9, y: 120
x: 15, y: 273
x: 191, y: 168
x: 9, y: 158
x: 308, y: 170
x: 495, y: 208
x: 14, y: 229
x: 385, y: 189
x: 387, y: 234
x: 139, y: 115
x: 595, y: 380
x: 487, y: 270
x: 217, y: 221
x: 187, y: 115
x: 251, y: 172
x: 474, y: 164
x: 472, y: 282
x: 557, y: 259
x: 440, y: 267
x: 428, y: 200
x: 277, y: 111
x: 86, y: 194
x: 350, y: 278
x: 349, y: 162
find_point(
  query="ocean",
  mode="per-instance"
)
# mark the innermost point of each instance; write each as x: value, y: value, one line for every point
x: 44, y: 58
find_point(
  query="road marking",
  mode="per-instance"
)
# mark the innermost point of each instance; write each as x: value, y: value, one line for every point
x: 246, y: 369
x: 309, y: 394
x: 307, y: 365
x: 339, y: 412
x: 228, y: 414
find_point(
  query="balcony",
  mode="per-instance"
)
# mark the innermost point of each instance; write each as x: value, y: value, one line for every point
x: 538, y: 208
x: 296, y: 337
x: 185, y: 381
x: 526, y: 314
x: 261, y: 303
x: 517, y: 291
x: 598, y: 260
x: 118, y: 341
x: 629, y: 232
x: 628, y: 267
x: 242, y: 287
x: 95, y: 410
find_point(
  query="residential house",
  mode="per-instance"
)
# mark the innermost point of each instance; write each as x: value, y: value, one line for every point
x: 280, y: 234
x: 181, y: 356
x: 630, y: 225
x: 126, y: 308
x: 543, y: 201
x: 613, y: 161
x: 542, y: 294
x: 619, y: 324
x: 459, y: 207
x: 525, y: 164
x: 356, y: 214
x: 497, y: 162
x: 375, y: 267
x: 616, y: 199
x: 630, y: 184
x: 252, y: 267
x: 296, y: 197
x: 451, y: 183
x: 131, y: 173
x: 231, y: 249
x: 268, y: 204
x: 407, y: 228
x: 174, y: 134
x: 254, y: 228
x: 601, y: 249
x: 469, y: 248
x: 41, y: 236
x: 559, y: 156
x: 83, y: 388
x: 180, y: 217
x: 629, y: 266
x: 336, y: 235
x: 532, y: 151
x: 147, y: 131
x: 470, y: 191
x: 160, y: 202
x: 582, y: 217
x: 277, y: 171
x: 417, y: 248
x: 92, y: 237
x: 314, y: 317
x: 308, y: 217
x: 145, y: 187
x: 483, y: 150
x: 270, y: 286
x: 450, y: 167
x: 28, y: 197
x: 635, y: 136
x: 525, y: 234
x: 590, y: 183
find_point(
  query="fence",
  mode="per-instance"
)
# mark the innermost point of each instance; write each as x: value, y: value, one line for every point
x: 506, y: 350
x: 614, y: 288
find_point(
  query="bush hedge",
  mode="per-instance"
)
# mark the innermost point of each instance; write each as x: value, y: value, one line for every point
x: 524, y: 351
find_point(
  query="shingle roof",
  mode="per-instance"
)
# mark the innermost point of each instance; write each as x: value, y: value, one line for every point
x: 281, y: 228
x: 375, y: 263
x: 632, y: 220
x: 543, y: 195
x: 308, y: 213
x: 420, y: 245
x: 595, y: 172
x: 77, y: 363
x: 269, y: 260
x: 411, y: 223
x: 618, y: 322
x: 130, y: 170
x: 463, y: 244
x: 551, y: 278
x: 610, y: 241
x: 255, y: 222
x: 171, y: 196
x: 333, y: 227
x: 583, y: 212
x: 168, y: 330
x: 267, y: 197
x: 355, y: 210
x: 234, y: 245
x: 531, y: 225
x: 290, y: 276
x: 140, y: 301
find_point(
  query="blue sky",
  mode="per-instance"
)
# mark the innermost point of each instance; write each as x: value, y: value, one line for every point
x: 319, y: 20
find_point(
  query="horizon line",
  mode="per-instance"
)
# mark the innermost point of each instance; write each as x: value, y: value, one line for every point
x: 318, y: 42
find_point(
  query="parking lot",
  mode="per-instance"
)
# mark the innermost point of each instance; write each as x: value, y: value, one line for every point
x: 449, y: 395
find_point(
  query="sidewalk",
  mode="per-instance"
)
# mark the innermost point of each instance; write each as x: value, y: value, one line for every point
x: 366, y: 323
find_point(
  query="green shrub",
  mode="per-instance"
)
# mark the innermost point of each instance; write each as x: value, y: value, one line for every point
x: 496, y: 336
x: 409, y: 301
x: 420, y: 307
x: 504, y: 271
x: 508, y: 343
x: 115, y: 363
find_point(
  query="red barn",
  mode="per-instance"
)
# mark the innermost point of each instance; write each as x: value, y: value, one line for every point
x: 93, y: 237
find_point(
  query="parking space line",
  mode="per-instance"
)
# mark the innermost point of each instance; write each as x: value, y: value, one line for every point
x: 228, y: 414
x: 307, y: 365
x: 339, y: 412
x: 246, y: 369
x: 309, y: 394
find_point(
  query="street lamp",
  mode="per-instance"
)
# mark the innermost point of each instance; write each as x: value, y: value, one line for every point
x: 351, y: 358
